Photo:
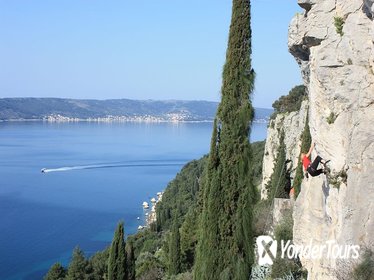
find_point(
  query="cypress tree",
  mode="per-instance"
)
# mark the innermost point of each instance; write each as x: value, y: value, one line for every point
x: 278, y: 178
x: 130, y: 260
x: 78, y: 265
x: 56, y: 272
x: 225, y: 243
x: 117, y: 255
x: 174, y: 250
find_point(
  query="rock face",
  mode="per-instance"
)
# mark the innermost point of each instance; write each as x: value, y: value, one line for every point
x: 338, y: 70
x: 293, y: 125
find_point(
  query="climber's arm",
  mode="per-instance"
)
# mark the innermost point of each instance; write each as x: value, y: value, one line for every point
x: 310, y: 150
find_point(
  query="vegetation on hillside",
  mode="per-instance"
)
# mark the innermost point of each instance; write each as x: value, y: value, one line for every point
x: 56, y: 272
x: 291, y: 102
x: 180, y: 195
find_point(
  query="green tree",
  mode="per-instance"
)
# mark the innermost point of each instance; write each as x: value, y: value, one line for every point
x: 188, y: 240
x: 117, y: 255
x: 257, y: 149
x: 180, y: 195
x: 291, y: 102
x: 174, y: 251
x: 99, y: 264
x: 130, y: 260
x: 148, y: 267
x: 278, y: 178
x: 78, y: 266
x: 225, y: 244
x: 56, y: 272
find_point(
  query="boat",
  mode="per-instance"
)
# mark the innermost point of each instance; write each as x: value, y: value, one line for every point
x: 43, y: 170
x: 145, y: 205
x: 138, y: 218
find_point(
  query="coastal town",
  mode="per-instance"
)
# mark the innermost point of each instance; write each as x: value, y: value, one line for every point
x: 171, y: 117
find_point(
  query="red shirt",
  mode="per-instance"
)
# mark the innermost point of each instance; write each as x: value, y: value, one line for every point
x: 306, y: 162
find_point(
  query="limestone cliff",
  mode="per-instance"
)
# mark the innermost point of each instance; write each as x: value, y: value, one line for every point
x: 333, y: 43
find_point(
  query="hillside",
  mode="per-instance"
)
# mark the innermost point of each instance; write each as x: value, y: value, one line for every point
x: 60, y: 109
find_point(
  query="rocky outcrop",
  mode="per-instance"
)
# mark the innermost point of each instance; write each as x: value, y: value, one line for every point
x: 369, y: 8
x: 333, y: 43
x: 293, y: 125
x: 280, y: 208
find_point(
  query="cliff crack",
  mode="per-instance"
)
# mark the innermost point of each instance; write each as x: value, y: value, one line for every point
x: 332, y: 66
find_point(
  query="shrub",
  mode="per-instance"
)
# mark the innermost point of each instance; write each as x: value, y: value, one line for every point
x: 291, y: 102
x: 331, y: 118
x: 272, y: 123
x: 181, y: 276
x: 339, y: 23
x: 283, y: 267
x: 262, y: 217
x: 349, y: 269
x: 149, y: 267
x: 338, y: 178
x: 365, y: 269
x: 284, y: 230
x: 260, y: 272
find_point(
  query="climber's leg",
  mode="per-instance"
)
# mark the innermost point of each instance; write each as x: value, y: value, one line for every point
x: 315, y: 163
x: 313, y: 172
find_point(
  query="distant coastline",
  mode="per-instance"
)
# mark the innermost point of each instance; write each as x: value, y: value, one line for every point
x: 58, y: 110
x: 120, y: 119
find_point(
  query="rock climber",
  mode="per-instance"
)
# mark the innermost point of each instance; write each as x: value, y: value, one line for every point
x: 312, y: 168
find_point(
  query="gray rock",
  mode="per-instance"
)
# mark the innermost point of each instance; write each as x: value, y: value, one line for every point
x: 281, y: 207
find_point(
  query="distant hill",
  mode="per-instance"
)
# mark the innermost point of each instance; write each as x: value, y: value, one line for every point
x: 125, y: 109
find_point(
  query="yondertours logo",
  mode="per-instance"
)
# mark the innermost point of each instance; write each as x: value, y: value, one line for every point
x: 267, y: 249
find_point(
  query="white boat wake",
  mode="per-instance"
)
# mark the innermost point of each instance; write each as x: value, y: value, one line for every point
x: 114, y: 165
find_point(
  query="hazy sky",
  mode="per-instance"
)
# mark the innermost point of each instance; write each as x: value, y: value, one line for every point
x: 139, y: 49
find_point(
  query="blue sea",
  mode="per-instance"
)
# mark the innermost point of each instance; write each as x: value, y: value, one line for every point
x: 97, y: 174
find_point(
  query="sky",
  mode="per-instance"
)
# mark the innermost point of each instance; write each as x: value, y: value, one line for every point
x: 138, y: 49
